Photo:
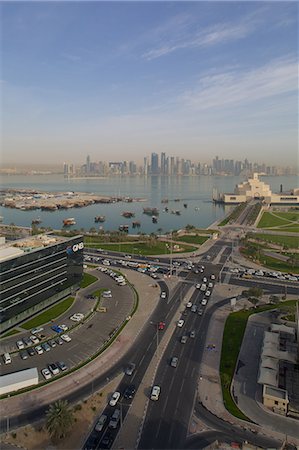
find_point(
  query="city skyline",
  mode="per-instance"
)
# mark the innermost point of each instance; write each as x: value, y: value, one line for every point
x: 127, y: 79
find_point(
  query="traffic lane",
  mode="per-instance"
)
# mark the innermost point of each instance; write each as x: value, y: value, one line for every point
x: 87, y: 338
x: 270, y: 287
x: 207, y: 438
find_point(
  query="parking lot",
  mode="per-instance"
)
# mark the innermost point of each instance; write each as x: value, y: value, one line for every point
x: 87, y: 337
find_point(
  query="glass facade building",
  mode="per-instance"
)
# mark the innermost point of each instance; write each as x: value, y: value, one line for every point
x: 47, y: 270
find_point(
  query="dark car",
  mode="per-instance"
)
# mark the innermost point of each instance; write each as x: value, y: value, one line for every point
x: 130, y: 369
x: 130, y: 391
x: 106, y: 441
x: 59, y: 341
x: 52, y: 343
x: 31, y: 351
x: 24, y: 354
x: 27, y: 341
x: 57, y: 329
x: 62, y: 366
x: 91, y: 443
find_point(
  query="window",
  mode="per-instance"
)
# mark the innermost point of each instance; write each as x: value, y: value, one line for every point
x: 276, y: 402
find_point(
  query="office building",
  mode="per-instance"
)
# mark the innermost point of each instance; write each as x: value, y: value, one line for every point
x: 35, y: 272
x: 155, y: 164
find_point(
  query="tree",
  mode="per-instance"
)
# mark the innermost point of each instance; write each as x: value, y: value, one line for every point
x: 59, y: 419
x: 255, y: 292
x: 253, y: 300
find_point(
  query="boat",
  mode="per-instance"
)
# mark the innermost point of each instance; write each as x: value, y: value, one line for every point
x: 69, y: 221
x: 154, y: 219
x: 99, y: 219
x: 177, y: 199
x: 36, y: 221
x: 136, y: 224
x: 164, y: 200
x: 196, y: 208
x: 150, y: 211
x: 124, y: 228
x: 165, y: 209
x: 177, y: 212
x: 128, y: 214
x: 185, y: 205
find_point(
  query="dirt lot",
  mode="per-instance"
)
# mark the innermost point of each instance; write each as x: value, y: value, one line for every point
x: 85, y: 413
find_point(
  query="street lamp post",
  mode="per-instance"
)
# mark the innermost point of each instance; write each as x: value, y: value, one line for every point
x: 170, y: 252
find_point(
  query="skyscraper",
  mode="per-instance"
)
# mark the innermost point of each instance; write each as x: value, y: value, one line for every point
x: 154, y: 164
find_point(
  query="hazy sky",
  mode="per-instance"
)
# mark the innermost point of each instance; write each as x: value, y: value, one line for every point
x: 119, y: 80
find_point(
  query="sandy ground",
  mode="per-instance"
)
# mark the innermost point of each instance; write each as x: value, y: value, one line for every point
x: 35, y: 437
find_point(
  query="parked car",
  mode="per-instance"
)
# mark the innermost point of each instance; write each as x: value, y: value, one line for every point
x: 66, y: 338
x: 46, y: 347
x: 53, y: 368
x: 198, y: 286
x: 213, y: 277
x: 194, y: 308
x: 27, y: 341
x: 62, y: 366
x: 34, y: 339
x: 106, y: 441
x: 59, y: 341
x: 39, y: 350
x: 31, y: 351
x: 180, y: 323
x: 24, y: 354
x: 20, y: 345
x: 64, y: 327
x: 114, y: 399
x: 192, y: 334
x: 56, y: 328
x: 115, y: 418
x: 189, y: 305
x: 204, y: 301
x: 101, y: 422
x: 52, y: 343
x: 46, y: 373
x: 107, y: 294
x: 208, y: 293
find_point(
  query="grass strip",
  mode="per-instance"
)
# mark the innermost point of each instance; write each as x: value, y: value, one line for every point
x: 193, y: 239
x: 234, y: 330
x: 49, y: 314
x: 10, y: 333
x: 87, y: 280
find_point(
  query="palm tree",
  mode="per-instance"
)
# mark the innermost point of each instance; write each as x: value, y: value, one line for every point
x: 59, y: 419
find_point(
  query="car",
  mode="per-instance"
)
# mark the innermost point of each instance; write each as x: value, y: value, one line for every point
x: 62, y: 366
x: 130, y: 369
x: 46, y: 347
x: 114, y: 399
x: 153, y: 275
x: 63, y: 327
x: 52, y: 343
x: 101, y: 422
x: 66, y: 338
x: 185, y: 313
x: 204, y: 301
x: 39, y: 350
x: 163, y: 294
x: 189, y: 305
x: 106, y: 441
x: 31, y: 351
x: 90, y: 297
x: 20, y: 345
x: 130, y: 391
x: 207, y: 293
x: 161, y: 325
x: 59, y: 341
x: 91, y: 443
x: 121, y: 283
x: 107, y: 294
x: 174, y: 361
x: 198, y: 286
x: 155, y: 393
x: 213, y: 277
x: 115, y: 418
x: 204, y: 279
x: 210, y: 285
x: 194, y: 308
x: 106, y: 262
x: 184, y: 339
x: 180, y: 323
x: 24, y: 355
x: 203, y: 287
x: 77, y: 317
x: 46, y: 373
x: 56, y: 328
x: 34, y: 339
x: 37, y: 330
x: 200, y: 312
x: 192, y: 334
x: 27, y: 341
x: 53, y: 368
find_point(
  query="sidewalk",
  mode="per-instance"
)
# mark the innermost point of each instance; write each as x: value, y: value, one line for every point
x: 23, y: 403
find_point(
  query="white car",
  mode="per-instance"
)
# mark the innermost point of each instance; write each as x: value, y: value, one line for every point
x: 77, y: 317
x: 181, y: 323
x: 163, y: 294
x: 107, y: 294
x: 208, y: 293
x: 66, y: 337
x: 204, y: 279
x: 114, y: 399
x: 155, y: 393
x: 198, y: 286
x: 204, y: 301
x: 34, y: 339
x: 20, y: 345
x: 63, y: 327
x: 46, y: 373
x: 213, y: 277
x: 39, y: 350
x: 210, y: 285
x: 121, y: 283
x: 189, y: 304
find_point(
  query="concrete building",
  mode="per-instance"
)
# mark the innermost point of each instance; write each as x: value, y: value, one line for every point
x: 276, y: 399
x: 254, y: 188
x: 18, y: 380
x: 35, y: 272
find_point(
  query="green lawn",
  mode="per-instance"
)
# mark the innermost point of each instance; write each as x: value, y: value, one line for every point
x: 234, y: 329
x: 278, y: 219
x: 87, y: 280
x: 49, y: 314
x: 193, y: 239
x: 144, y: 248
x: 290, y: 241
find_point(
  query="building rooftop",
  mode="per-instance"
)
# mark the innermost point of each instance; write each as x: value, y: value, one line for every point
x: 13, y: 249
x: 276, y: 392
